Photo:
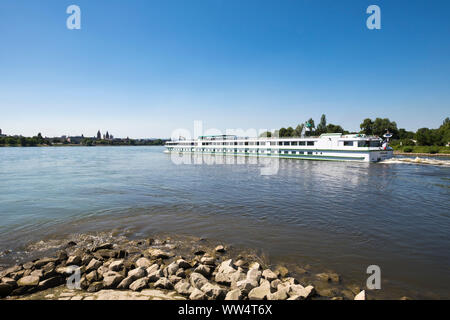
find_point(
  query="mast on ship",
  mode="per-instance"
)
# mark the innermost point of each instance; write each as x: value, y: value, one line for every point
x: 386, y: 136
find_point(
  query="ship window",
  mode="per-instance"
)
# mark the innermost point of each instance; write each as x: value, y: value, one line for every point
x: 286, y: 143
x: 375, y: 144
x: 310, y: 143
x: 363, y: 144
x: 246, y: 143
x: 294, y: 143
x: 273, y: 143
x: 348, y: 143
x: 301, y: 143
x: 310, y: 152
x: 280, y: 143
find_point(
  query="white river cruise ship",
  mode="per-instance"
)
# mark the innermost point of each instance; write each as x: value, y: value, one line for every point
x: 330, y: 146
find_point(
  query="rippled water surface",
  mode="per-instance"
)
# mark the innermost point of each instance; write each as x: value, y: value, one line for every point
x: 340, y: 216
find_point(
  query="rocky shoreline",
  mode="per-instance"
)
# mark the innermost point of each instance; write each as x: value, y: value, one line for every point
x: 154, y: 269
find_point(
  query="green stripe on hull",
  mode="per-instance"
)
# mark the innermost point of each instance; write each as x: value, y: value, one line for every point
x: 291, y: 156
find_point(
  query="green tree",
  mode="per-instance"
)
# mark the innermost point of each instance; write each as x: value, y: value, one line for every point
x: 424, y: 137
x: 403, y: 134
x: 333, y: 128
x: 367, y: 126
x: 381, y: 125
x: 298, y: 130
x: 289, y: 132
x: 266, y: 134
x: 322, y: 126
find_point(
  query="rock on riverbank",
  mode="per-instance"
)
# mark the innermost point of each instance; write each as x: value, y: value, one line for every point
x: 152, y: 269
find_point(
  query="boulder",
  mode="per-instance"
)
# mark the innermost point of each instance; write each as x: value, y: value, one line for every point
x: 269, y: 275
x: 300, y: 291
x: 42, y: 262
x: 158, y: 254
x: 183, y: 264
x: 95, y: 286
x: 171, y: 269
x: 203, y: 270
x: 254, y: 275
x: 20, y: 291
x: 197, y: 280
x: 230, y: 278
x: 37, y: 273
x: 93, y: 276
x: 116, y: 265
x: 86, y: 258
x: 9, y: 281
x: 125, y: 283
x: 181, y: 273
x: 226, y: 267
x: 281, y: 294
x: 246, y: 286
x: 361, y: 295
x: 102, y: 270
x: 143, y: 262
x: 28, y: 265
x: 139, y: 284
x: 137, y: 273
x: 94, y: 264
x: 153, y: 268
x: 197, y: 295
x: 274, y: 284
x: 28, y: 281
x: 155, y: 276
x: 184, y: 288
x: 199, y: 252
x: 240, y: 263
x: 10, y: 270
x: 235, y: 294
x: 220, y: 249
x: 103, y: 246
x: 61, y: 256
x: 50, y: 283
x: 164, y: 283
x: 260, y: 293
x: 49, y: 270
x: 254, y: 265
x: 104, y: 254
x: 214, y: 292
x: 208, y: 260
x: 73, y: 261
x: 111, y: 279
x: 174, y: 279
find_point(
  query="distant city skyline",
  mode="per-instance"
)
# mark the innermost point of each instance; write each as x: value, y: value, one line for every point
x: 146, y: 68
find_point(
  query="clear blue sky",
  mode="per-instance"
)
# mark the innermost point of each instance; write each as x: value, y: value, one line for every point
x: 144, y: 68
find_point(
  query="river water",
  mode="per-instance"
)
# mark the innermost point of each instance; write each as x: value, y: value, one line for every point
x: 338, y: 216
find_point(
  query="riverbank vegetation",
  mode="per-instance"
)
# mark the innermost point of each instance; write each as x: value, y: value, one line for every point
x: 39, y: 141
x: 424, y: 140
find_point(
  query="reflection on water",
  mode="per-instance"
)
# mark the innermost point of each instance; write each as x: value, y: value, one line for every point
x: 342, y: 216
